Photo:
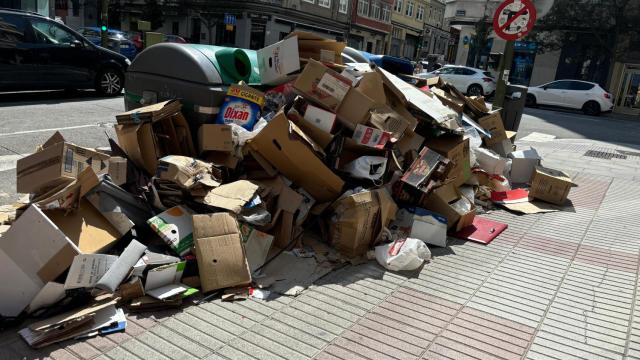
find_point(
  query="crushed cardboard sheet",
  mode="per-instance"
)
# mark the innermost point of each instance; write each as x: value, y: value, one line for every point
x: 538, y: 137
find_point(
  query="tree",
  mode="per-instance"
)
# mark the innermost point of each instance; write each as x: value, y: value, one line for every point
x: 153, y: 13
x: 613, y: 24
x: 483, y: 27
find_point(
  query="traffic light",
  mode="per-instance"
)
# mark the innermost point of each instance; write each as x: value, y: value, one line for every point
x: 103, y: 28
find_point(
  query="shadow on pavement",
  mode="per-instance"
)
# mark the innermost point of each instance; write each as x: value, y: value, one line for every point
x: 47, y: 97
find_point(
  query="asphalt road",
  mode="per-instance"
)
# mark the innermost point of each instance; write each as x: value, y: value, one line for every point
x: 28, y: 119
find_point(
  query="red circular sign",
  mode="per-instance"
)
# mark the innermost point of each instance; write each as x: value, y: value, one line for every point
x: 514, y: 19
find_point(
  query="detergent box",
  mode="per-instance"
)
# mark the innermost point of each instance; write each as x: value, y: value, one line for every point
x: 241, y: 106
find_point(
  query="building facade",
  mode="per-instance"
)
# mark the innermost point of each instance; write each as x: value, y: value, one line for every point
x: 370, y: 24
x: 43, y: 7
x: 407, y: 19
x: 249, y: 24
x: 436, y: 36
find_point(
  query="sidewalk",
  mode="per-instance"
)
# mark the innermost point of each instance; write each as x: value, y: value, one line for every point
x: 553, y: 286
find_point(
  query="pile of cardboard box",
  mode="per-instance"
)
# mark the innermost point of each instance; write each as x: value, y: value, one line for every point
x: 257, y: 201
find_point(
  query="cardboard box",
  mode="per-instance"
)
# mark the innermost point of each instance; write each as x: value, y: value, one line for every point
x: 312, y: 46
x: 440, y: 201
x: 320, y: 118
x: 277, y: 62
x: 149, y: 113
x: 489, y: 161
x: 523, y: 163
x: 256, y: 245
x: 550, y: 185
x: 232, y: 196
x: 221, y: 258
x: 456, y: 149
x: 410, y: 141
x: 322, y: 85
x: 55, y: 164
x: 387, y: 119
x: 215, y: 137
x: 502, y: 148
x: 354, y: 108
x: 146, y: 142
x: 40, y: 246
x: 422, y: 224
x: 185, y: 171
x: 175, y: 227
x: 118, y: 170
x: 494, y: 125
x: 371, y: 137
x: 358, y: 220
x: 290, y: 151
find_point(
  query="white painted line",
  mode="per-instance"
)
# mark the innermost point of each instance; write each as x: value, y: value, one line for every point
x: 8, y: 162
x: 49, y: 130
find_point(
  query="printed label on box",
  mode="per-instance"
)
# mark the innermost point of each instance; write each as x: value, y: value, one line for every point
x: 371, y: 137
x: 335, y: 87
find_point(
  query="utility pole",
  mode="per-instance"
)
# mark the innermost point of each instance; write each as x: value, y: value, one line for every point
x: 104, y: 22
x: 503, y: 72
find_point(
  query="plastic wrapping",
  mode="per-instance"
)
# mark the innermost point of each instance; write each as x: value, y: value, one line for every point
x: 403, y: 254
x: 367, y: 167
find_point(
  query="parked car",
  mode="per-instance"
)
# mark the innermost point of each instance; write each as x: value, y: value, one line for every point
x: 41, y: 54
x: 468, y: 80
x: 572, y: 94
x: 174, y: 39
x: 116, y: 40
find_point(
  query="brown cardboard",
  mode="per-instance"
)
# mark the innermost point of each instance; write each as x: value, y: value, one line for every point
x: 58, y: 163
x: 221, y: 259
x: 312, y: 46
x: 493, y: 124
x: 448, y: 99
x: 186, y: 171
x: 550, y: 185
x: 232, y: 196
x: 322, y: 85
x: 281, y: 144
x: 511, y: 135
x: 215, y: 137
x: 354, y: 109
x: 118, y: 170
x: 386, y: 119
x: 67, y: 196
x: 372, y: 86
x: 358, y: 220
x: 456, y: 149
x: 438, y: 201
x: 319, y: 136
x: 149, y: 113
x: 222, y: 159
x: 409, y: 141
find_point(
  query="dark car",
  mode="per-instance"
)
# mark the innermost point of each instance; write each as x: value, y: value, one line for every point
x: 117, y: 40
x: 37, y: 53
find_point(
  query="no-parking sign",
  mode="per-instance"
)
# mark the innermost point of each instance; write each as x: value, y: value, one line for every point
x: 514, y: 19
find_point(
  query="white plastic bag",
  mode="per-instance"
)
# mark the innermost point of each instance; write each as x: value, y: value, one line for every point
x: 403, y: 254
x: 367, y: 167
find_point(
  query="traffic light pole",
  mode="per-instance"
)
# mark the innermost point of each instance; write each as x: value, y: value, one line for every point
x: 104, y: 22
x: 503, y: 75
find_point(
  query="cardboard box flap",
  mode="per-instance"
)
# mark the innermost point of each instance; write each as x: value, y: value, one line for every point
x: 70, y: 316
x: 232, y: 196
x: 386, y: 119
x: 372, y: 86
x: 54, y: 139
x: 295, y: 160
x: 278, y: 60
x: 295, y: 129
x: 432, y: 107
x: 150, y: 113
x: 219, y: 251
x: 557, y: 174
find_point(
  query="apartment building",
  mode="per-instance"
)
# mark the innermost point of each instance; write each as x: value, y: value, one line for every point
x: 370, y: 24
x: 407, y: 19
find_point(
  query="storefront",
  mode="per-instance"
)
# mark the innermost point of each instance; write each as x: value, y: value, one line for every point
x: 627, y: 94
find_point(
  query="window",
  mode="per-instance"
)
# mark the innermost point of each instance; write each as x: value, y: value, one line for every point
x: 344, y: 5
x: 375, y: 10
x: 420, y: 13
x: 49, y: 32
x: 468, y: 72
x: 409, y: 11
x: 447, y: 70
x: 487, y: 74
x: 398, y: 6
x: 363, y: 7
x: 12, y: 30
x: 581, y: 86
x: 559, y: 85
x: 461, y: 12
x: 310, y: 1
x: 396, y: 32
x: 324, y: 3
x: 386, y: 13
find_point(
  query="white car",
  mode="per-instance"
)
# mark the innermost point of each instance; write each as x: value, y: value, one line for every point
x: 573, y: 94
x: 468, y: 80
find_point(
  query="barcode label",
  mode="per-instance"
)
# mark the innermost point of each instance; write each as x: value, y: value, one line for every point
x: 333, y: 86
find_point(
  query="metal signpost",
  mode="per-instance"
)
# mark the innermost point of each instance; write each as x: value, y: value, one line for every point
x: 512, y: 20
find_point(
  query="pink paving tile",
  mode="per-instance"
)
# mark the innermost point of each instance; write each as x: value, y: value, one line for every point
x: 589, y: 193
x: 548, y: 246
x: 612, y: 259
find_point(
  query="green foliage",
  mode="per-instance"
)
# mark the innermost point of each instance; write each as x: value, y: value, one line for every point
x: 153, y: 13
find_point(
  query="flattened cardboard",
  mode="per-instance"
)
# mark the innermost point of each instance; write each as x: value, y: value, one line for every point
x: 175, y: 227
x: 312, y: 46
x: 232, y: 196
x: 57, y: 164
x: 256, y: 245
x: 186, y: 171
x: 215, y: 137
x: 386, y: 119
x: 87, y: 269
x: 50, y: 294
x: 358, y: 220
x: 164, y: 275
x: 494, y: 125
x: 456, y: 149
x: 322, y: 85
x: 139, y: 143
x: 354, y: 108
x: 277, y: 62
x: 550, y: 185
x: 118, y: 170
x: 291, y: 155
x: 221, y: 258
x: 409, y: 141
x: 149, y: 113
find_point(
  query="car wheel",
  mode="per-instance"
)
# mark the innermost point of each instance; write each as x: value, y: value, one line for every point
x: 591, y: 108
x: 474, y: 90
x: 531, y: 101
x: 109, y: 82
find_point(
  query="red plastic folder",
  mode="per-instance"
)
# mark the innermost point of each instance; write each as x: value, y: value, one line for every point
x: 482, y: 230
